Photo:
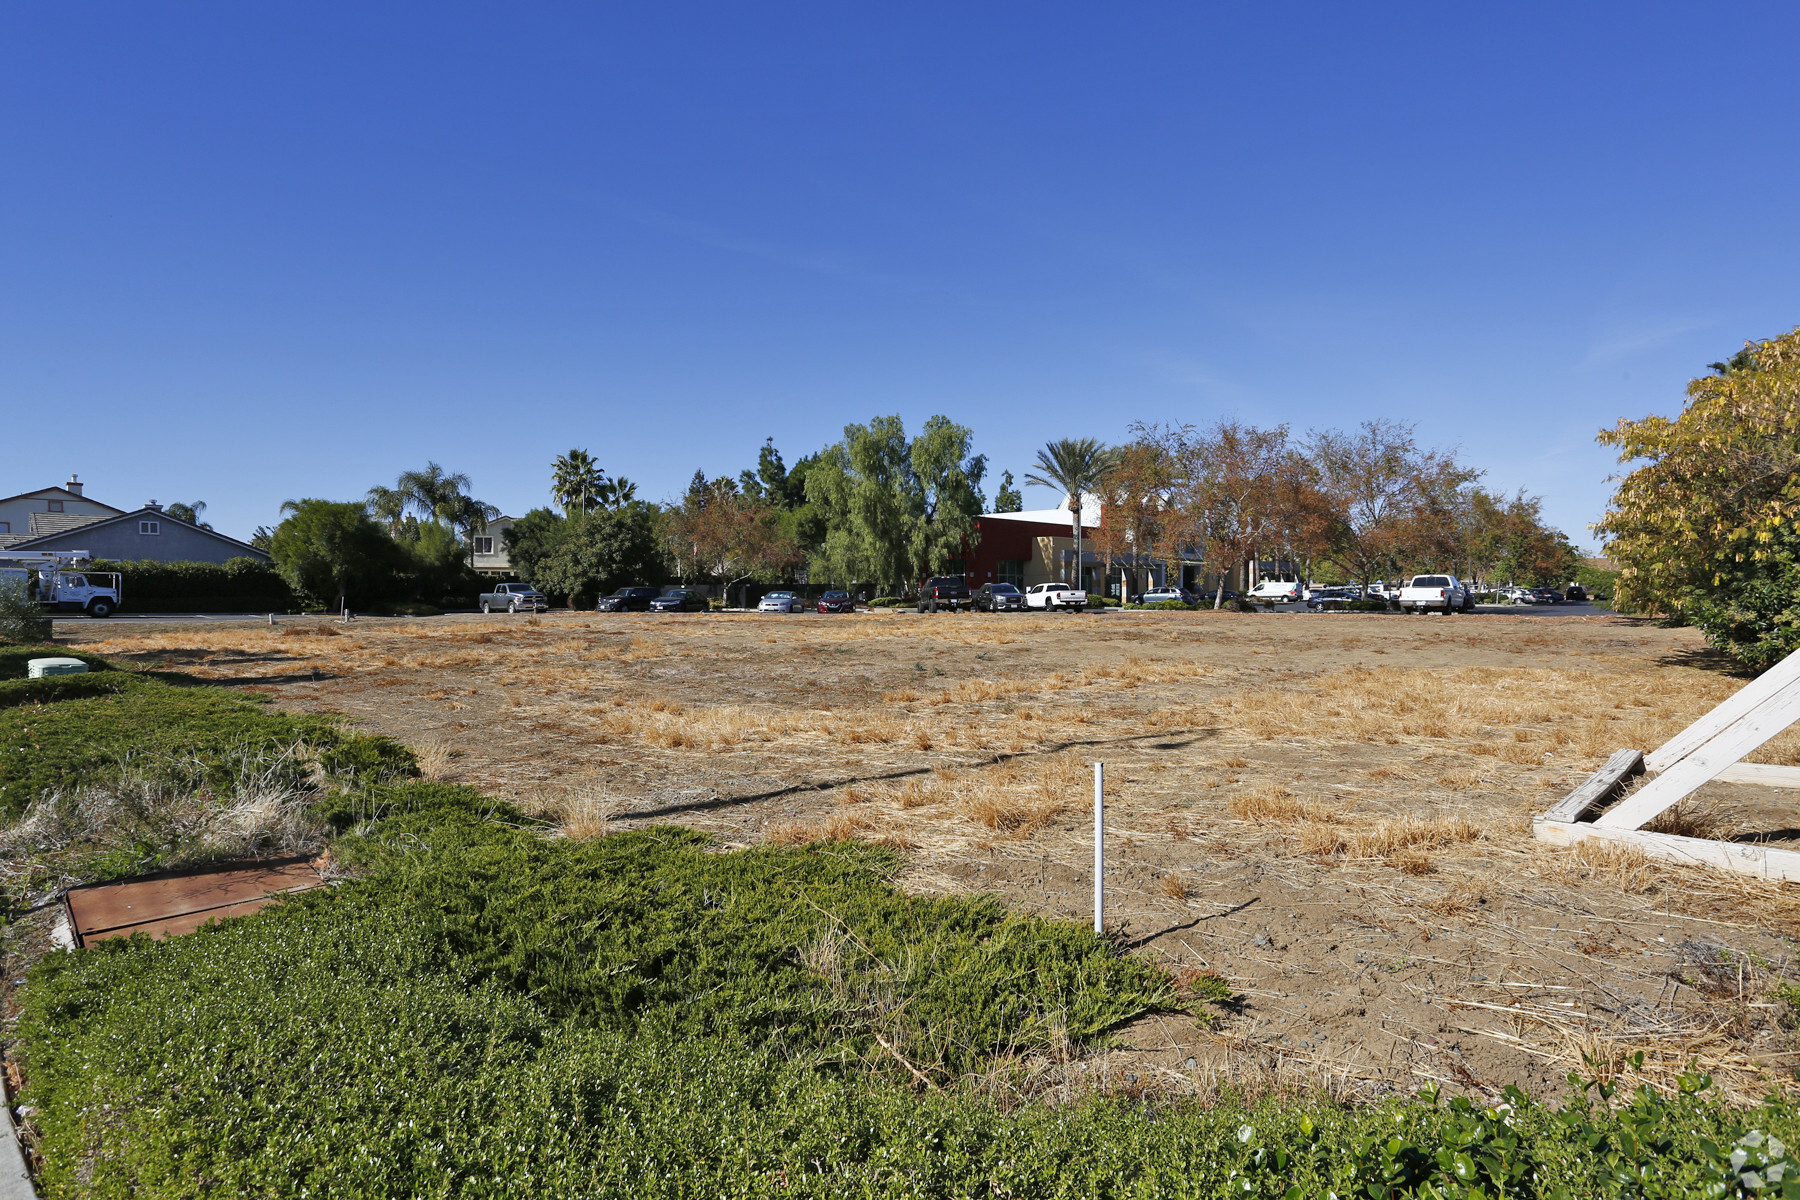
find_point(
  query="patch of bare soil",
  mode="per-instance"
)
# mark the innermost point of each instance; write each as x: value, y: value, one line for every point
x: 1330, y: 811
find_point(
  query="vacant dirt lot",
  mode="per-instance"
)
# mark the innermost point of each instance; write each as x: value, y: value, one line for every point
x: 1331, y: 811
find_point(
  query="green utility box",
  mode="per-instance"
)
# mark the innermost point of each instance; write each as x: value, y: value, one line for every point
x: 42, y: 668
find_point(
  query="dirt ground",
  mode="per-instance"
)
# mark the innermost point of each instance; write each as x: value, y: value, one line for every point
x: 1330, y: 811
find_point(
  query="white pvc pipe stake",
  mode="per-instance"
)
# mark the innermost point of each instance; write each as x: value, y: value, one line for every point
x: 1099, y: 847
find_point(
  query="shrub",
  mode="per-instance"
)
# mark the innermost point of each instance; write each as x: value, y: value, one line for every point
x: 21, y: 620
x: 893, y: 602
x: 1366, y: 606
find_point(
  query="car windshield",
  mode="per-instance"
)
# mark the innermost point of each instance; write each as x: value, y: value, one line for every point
x: 835, y: 596
x: 1431, y: 581
x: 1005, y: 589
x: 779, y: 596
x: 673, y: 595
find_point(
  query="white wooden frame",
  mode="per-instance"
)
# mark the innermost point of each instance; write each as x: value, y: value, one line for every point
x: 1711, y: 748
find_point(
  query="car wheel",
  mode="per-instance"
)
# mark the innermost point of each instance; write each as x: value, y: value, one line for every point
x: 513, y: 608
x: 100, y: 608
x: 485, y: 609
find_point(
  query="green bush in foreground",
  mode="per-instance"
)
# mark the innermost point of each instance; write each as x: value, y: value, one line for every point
x: 200, y: 733
x: 342, y: 1046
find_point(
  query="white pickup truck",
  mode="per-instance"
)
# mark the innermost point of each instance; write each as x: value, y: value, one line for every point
x: 1439, y: 593
x: 514, y: 597
x: 1055, y: 595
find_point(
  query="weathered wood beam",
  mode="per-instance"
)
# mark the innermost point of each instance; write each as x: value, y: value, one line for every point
x: 1741, y: 858
x: 1597, y: 787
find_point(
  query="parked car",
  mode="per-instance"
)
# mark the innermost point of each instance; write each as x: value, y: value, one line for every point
x: 512, y: 597
x: 680, y: 600
x: 1440, y: 593
x: 1049, y: 596
x: 780, y: 602
x: 1272, y: 591
x: 1515, y: 595
x: 1324, y: 598
x: 946, y: 591
x: 837, y: 602
x: 999, y: 597
x: 1543, y: 595
x: 1575, y: 594
x: 1163, y: 594
x: 627, y: 599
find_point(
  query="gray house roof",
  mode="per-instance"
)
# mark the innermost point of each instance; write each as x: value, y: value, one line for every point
x: 100, y: 537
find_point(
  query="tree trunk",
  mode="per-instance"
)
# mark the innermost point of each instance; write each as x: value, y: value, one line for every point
x: 1075, y: 532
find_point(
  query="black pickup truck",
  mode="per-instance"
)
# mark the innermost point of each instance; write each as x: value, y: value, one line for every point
x: 946, y: 591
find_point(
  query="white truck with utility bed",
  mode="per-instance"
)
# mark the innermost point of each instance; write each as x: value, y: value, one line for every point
x: 60, y: 581
x: 1438, y: 593
x: 514, y: 597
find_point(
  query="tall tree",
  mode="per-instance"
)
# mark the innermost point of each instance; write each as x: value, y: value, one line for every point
x: 1008, y: 499
x: 388, y: 505
x: 732, y: 537
x: 1078, y: 466
x: 1231, y: 482
x: 867, y: 486
x: 948, y: 477
x: 575, y: 481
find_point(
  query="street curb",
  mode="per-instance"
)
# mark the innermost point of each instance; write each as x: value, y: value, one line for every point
x: 15, y: 1180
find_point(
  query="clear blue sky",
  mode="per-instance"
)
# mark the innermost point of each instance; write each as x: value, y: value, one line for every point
x: 257, y: 251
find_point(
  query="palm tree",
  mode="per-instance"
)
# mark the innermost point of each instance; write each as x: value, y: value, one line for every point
x: 576, y: 479
x: 433, y: 492
x: 1078, y: 466
x: 387, y: 505
x: 469, y: 517
x: 616, y: 493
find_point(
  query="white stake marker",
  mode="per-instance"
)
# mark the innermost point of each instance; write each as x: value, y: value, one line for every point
x: 1099, y: 847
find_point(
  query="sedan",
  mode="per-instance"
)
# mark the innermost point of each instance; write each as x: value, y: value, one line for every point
x: 837, y: 602
x: 1160, y: 595
x: 629, y: 599
x: 1545, y: 596
x: 1321, y: 599
x: 999, y: 597
x: 780, y: 602
x: 680, y: 600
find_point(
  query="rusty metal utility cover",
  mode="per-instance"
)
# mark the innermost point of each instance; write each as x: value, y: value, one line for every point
x: 182, y: 901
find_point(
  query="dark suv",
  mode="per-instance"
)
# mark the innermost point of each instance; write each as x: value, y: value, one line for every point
x: 999, y: 597
x: 946, y: 591
x: 630, y: 599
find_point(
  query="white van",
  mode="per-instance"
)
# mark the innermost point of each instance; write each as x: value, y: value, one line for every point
x: 1275, y: 589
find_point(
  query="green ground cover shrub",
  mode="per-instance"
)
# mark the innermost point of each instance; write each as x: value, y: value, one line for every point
x: 342, y: 1046
x: 195, y: 733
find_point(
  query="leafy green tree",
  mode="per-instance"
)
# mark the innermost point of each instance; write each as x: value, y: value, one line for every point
x: 865, y: 485
x: 948, y: 478
x: 1078, y: 466
x: 327, y: 548
x: 1377, y: 479
x: 575, y: 481
x: 1008, y: 499
x: 588, y: 555
x: 388, y: 505
x: 530, y: 541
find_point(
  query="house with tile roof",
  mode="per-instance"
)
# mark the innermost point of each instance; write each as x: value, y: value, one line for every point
x: 49, y: 511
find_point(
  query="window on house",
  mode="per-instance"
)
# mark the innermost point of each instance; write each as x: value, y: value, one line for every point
x: 55, y: 506
x: 149, y: 526
x: 484, y: 545
x: 1010, y: 570
x: 5, y: 526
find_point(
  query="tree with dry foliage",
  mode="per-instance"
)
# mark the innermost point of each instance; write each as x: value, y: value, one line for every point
x: 729, y: 536
x: 1232, y: 476
x: 1719, y: 488
x: 1377, y: 479
x: 1133, y: 496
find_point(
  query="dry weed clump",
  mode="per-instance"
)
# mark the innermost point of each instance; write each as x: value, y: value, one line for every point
x: 1276, y: 803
